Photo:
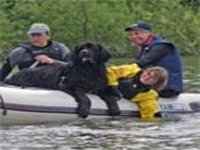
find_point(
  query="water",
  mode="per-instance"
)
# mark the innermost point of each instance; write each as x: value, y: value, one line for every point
x: 191, y: 66
x: 124, y: 134
x: 177, y: 133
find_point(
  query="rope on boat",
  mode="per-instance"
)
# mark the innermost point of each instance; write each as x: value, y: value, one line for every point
x: 3, y: 106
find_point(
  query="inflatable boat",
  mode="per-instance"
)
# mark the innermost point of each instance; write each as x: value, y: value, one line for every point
x: 33, y: 105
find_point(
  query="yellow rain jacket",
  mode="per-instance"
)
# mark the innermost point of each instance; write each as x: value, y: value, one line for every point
x: 147, y: 101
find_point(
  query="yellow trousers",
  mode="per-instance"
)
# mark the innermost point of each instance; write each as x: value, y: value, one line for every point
x: 147, y: 103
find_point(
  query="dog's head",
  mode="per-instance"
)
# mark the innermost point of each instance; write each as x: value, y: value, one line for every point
x: 90, y: 53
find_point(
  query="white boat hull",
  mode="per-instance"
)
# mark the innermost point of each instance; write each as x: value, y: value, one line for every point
x: 32, y: 105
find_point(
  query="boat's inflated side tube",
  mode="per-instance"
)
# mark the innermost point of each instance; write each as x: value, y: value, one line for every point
x: 2, y: 106
x: 195, y: 106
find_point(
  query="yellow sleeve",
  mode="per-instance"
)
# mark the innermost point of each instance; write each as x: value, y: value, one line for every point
x: 148, y: 103
x: 123, y: 71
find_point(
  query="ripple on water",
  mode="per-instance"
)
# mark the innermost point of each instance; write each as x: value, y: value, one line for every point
x: 122, y: 134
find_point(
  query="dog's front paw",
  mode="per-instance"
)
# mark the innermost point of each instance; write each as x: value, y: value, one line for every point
x: 114, y: 111
x: 113, y: 108
x: 83, y: 111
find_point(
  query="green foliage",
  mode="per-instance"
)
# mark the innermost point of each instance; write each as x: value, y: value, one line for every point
x: 194, y: 4
x: 103, y: 21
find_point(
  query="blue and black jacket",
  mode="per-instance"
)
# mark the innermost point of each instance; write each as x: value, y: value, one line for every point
x: 163, y: 53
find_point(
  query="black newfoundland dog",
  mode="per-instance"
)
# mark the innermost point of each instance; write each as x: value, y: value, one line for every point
x: 84, y: 73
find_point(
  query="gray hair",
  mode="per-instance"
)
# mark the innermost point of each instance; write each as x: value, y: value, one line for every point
x: 161, y: 75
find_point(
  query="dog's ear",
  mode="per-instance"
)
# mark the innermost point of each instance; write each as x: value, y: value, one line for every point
x: 104, y: 54
x: 74, y: 53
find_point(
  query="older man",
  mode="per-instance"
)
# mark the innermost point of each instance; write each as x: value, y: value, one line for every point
x: 155, y: 51
x: 40, y: 50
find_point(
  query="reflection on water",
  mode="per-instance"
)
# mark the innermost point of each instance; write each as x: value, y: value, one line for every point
x: 125, y: 134
x: 192, y: 74
x: 182, y: 133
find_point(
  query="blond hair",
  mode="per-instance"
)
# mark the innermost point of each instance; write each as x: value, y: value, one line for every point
x: 161, y: 76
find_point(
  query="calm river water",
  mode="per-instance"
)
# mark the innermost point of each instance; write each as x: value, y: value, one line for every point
x: 178, y: 133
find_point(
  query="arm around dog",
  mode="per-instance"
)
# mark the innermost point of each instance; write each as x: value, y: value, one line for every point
x: 55, y: 52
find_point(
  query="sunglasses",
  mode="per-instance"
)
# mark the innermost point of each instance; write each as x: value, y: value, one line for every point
x: 36, y: 34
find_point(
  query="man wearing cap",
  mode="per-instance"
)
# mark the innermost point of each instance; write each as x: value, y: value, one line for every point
x: 155, y: 51
x: 40, y: 50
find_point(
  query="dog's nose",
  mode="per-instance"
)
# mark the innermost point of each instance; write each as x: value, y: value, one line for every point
x: 84, y: 52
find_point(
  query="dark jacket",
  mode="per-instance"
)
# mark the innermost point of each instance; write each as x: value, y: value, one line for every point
x: 130, y: 87
x: 163, y: 53
x: 23, y: 56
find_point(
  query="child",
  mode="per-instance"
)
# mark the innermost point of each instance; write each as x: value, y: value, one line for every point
x: 139, y: 85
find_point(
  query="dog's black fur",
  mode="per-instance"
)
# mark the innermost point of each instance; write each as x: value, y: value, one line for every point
x: 47, y: 76
x: 84, y: 73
